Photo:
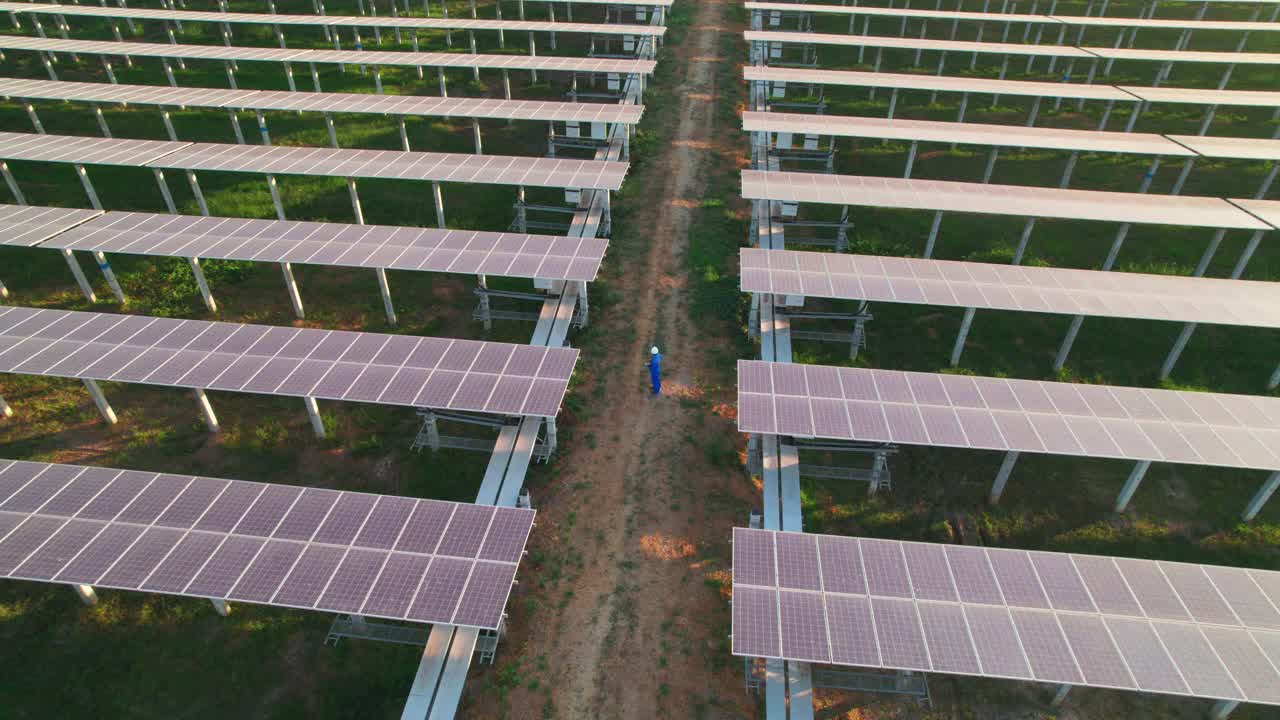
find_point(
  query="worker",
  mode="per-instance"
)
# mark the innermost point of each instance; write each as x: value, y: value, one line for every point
x: 655, y: 369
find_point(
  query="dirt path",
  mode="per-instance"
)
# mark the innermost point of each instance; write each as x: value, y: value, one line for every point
x: 627, y: 618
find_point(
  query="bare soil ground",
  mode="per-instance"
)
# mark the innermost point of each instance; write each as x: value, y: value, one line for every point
x: 640, y: 516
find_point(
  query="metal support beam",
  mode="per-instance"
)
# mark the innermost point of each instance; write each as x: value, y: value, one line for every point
x: 958, y: 348
x: 206, y: 410
x: 1002, y: 477
x: 1131, y: 485
x: 100, y: 400
x: 1264, y: 493
x: 291, y: 286
x: 81, y: 280
x: 202, y: 283
x: 220, y: 606
x: 439, y: 201
x: 5, y: 410
x: 1060, y: 696
x: 313, y: 412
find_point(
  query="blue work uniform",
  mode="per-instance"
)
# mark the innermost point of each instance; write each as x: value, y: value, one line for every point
x: 655, y: 372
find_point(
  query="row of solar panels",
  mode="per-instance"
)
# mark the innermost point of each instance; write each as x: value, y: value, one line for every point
x: 1026, y: 50
x: 546, y: 257
x: 992, y: 86
x: 331, y: 162
x: 949, y: 196
x: 1176, y: 628
x: 1013, y: 17
x: 965, y: 133
x: 410, y: 23
x: 297, y: 362
x: 350, y: 57
x: 363, y: 103
x: 309, y: 548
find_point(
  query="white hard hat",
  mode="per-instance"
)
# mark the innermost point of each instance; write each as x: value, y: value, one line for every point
x: 653, y: 350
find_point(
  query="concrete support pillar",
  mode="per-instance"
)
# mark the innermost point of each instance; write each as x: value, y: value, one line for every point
x: 291, y: 286
x: 1264, y: 494
x: 202, y: 283
x: 404, y: 134
x: 313, y: 412
x: 355, y: 201
x: 1002, y: 476
x: 5, y: 410
x: 81, y: 280
x: 1060, y: 696
x: 100, y: 400
x: 475, y: 132
x: 333, y: 133
x: 444, y: 88
x: 958, y: 348
x: 86, y: 594
x: 220, y: 606
x: 206, y: 410
x: 1131, y: 485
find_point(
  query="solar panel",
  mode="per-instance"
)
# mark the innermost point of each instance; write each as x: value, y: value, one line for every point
x: 1267, y: 210
x: 332, y: 162
x: 550, y: 257
x: 28, y: 226
x: 995, y: 199
x: 354, y: 57
x: 943, y: 83
x: 1197, y: 96
x: 87, y: 150
x: 1201, y: 56
x: 896, y: 12
x: 1170, y: 23
x: 397, y: 164
x: 878, y: 41
x: 990, y: 635
x: 345, y: 21
x: 311, y: 363
x: 1139, y: 424
x: 952, y: 283
x: 231, y: 559
x: 966, y: 133
x: 1231, y: 147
